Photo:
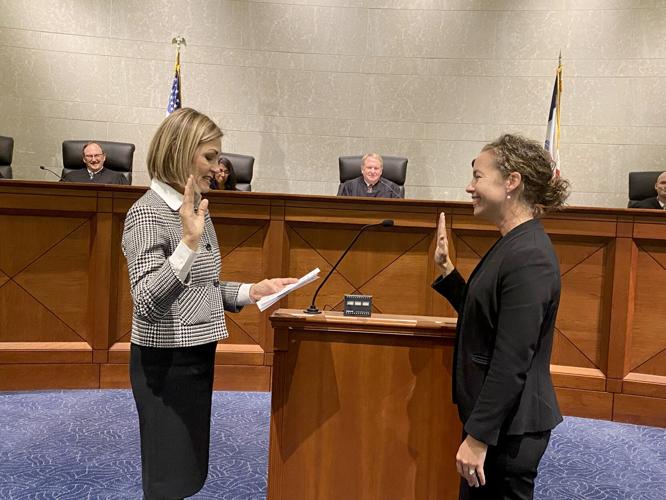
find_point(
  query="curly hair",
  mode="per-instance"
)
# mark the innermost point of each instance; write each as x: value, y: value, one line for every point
x: 541, y: 190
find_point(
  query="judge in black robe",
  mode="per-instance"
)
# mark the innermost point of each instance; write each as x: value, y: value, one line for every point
x: 370, y: 182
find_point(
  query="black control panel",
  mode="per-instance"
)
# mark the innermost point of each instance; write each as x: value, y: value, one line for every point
x: 358, y: 305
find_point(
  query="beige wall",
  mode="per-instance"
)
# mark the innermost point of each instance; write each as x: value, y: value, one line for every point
x: 297, y: 83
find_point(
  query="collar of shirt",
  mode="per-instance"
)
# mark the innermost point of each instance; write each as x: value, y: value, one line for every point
x: 91, y: 173
x: 370, y: 185
x: 663, y: 205
x: 170, y: 196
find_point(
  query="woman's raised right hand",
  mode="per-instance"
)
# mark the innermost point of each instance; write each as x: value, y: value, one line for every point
x: 442, y: 249
x: 191, y: 220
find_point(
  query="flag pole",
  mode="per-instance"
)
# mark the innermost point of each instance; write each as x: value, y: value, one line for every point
x: 552, y: 144
x: 176, y: 95
x: 558, y: 108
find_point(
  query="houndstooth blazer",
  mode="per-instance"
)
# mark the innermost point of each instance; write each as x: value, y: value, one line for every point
x: 168, y: 313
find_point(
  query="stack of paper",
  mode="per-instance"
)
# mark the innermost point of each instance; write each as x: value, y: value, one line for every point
x: 267, y: 301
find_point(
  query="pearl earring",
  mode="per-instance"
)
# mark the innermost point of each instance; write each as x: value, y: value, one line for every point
x: 508, y: 196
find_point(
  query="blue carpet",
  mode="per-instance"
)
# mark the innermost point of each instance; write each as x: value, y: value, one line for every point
x: 84, y: 445
x: 75, y: 445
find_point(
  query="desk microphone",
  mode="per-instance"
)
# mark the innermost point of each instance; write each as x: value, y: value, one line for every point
x: 42, y: 167
x: 313, y: 308
x: 388, y: 185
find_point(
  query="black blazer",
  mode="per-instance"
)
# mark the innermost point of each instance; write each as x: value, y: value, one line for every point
x: 504, y: 336
x: 648, y: 203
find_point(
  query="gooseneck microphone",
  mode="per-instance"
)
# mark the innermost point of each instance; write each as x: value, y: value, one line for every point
x: 42, y: 167
x: 313, y: 308
x: 388, y: 185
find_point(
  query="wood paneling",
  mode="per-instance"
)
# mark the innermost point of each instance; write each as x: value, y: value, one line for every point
x: 113, y: 376
x: 378, y: 402
x: 645, y: 385
x: 587, y: 404
x: 65, y: 301
x: 573, y: 377
x: 45, y: 352
x: 242, y: 378
x: 640, y: 410
x: 30, y: 376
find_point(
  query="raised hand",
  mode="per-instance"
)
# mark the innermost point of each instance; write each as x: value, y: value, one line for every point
x: 269, y: 287
x: 442, y: 250
x: 192, y: 222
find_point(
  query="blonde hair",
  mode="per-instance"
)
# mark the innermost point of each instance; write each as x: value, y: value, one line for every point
x: 174, y: 145
x: 376, y: 156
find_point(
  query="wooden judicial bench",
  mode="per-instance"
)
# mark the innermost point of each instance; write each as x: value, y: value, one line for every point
x: 65, y: 307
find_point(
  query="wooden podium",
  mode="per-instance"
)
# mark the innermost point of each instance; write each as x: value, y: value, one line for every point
x: 361, y: 408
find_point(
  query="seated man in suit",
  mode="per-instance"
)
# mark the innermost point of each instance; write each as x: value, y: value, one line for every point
x: 659, y: 201
x: 94, y: 157
x: 370, y: 182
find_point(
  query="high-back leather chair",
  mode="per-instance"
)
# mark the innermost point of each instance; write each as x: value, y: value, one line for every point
x: 395, y: 169
x: 243, y: 166
x: 119, y: 156
x: 6, y: 156
x: 641, y: 186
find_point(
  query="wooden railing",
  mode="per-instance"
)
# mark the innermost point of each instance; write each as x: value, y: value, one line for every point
x: 65, y: 308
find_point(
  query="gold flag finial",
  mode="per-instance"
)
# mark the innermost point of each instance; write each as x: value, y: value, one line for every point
x: 178, y: 41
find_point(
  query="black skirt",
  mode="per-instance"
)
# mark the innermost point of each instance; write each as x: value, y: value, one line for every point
x: 173, y: 390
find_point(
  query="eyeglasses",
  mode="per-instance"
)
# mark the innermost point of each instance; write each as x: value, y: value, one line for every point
x: 93, y: 157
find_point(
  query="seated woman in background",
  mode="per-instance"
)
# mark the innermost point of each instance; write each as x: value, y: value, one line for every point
x: 225, y: 178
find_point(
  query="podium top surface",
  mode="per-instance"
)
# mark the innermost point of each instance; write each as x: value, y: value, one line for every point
x: 336, y: 320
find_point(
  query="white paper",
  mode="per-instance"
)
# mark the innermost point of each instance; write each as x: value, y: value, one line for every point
x: 267, y: 301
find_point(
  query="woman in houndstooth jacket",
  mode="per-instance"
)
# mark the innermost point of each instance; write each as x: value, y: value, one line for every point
x: 174, y: 267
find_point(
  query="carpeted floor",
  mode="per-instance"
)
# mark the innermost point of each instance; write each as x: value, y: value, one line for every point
x: 84, y: 445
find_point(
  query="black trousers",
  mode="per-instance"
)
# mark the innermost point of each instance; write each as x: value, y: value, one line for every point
x: 510, y: 468
x: 173, y: 391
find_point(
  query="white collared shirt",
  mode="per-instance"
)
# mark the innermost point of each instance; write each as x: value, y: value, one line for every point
x: 183, y: 257
x: 93, y: 174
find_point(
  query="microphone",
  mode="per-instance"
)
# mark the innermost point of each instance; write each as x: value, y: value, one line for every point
x: 42, y: 167
x: 388, y: 185
x: 313, y: 308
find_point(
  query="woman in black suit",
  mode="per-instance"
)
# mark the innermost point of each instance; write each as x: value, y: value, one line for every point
x: 506, y: 316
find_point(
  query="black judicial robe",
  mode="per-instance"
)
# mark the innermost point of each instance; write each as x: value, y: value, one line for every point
x: 357, y: 187
x: 104, y: 176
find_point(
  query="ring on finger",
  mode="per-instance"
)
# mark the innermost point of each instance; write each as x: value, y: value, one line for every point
x: 471, y: 472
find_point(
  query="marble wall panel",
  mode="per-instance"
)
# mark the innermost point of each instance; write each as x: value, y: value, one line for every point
x: 202, y: 22
x: 307, y: 28
x: 297, y: 83
x: 73, y: 17
x: 42, y: 74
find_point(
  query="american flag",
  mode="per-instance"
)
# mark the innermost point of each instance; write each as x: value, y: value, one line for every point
x: 175, y: 96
